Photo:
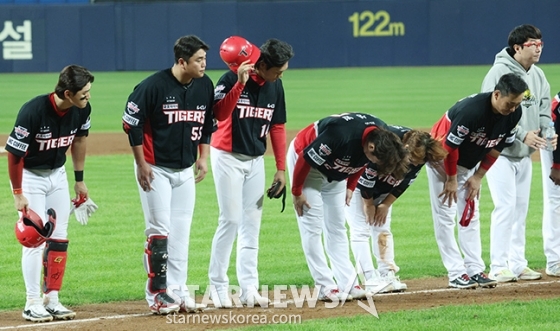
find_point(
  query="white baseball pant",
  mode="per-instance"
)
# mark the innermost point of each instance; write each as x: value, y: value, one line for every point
x: 324, y: 220
x: 509, y: 182
x: 44, y: 189
x: 551, y: 212
x: 240, y: 185
x: 168, y: 209
x: 446, y: 217
x: 361, y: 233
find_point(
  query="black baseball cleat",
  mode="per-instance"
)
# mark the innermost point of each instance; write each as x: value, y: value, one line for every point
x: 463, y: 282
x: 484, y: 281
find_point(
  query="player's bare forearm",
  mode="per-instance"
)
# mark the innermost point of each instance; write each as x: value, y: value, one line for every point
x: 78, y: 151
x: 369, y: 210
x: 144, y: 173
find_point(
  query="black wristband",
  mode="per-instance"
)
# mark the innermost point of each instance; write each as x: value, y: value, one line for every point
x: 79, y: 176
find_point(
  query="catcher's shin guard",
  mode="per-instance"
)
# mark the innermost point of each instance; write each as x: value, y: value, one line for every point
x: 54, y: 263
x: 156, y: 263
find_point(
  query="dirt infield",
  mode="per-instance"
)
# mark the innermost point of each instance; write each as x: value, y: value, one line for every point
x: 421, y: 294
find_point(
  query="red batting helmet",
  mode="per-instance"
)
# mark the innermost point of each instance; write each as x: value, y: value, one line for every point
x: 236, y: 50
x: 31, y: 232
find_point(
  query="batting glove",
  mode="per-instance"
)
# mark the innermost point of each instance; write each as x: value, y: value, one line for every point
x: 83, y: 208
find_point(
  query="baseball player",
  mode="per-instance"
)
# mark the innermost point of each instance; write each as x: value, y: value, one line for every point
x: 249, y: 104
x: 45, y: 127
x: 550, y: 163
x: 325, y: 161
x: 168, y: 117
x: 509, y: 180
x: 476, y: 129
x: 378, y: 193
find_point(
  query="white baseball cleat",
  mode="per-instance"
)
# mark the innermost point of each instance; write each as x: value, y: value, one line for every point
x: 188, y: 305
x: 252, y: 298
x: 220, y: 298
x: 34, y: 311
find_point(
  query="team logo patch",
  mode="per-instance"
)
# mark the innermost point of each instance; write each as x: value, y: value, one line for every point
x: 315, y: 157
x: 324, y: 150
x: 170, y: 106
x: 529, y: 99
x: 370, y: 173
x: 243, y: 102
x: 219, y: 88
x: 21, y: 132
x: 200, y: 107
x: 462, y: 130
x: 132, y: 108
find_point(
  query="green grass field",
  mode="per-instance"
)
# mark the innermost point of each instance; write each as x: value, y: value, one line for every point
x: 105, y: 257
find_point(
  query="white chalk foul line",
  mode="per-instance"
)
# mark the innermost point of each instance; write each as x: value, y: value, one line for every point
x: 49, y: 324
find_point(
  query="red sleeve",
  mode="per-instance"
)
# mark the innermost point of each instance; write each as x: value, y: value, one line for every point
x: 278, y: 140
x: 353, y: 180
x: 301, y: 170
x: 487, y: 161
x: 223, y: 108
x: 15, y: 168
x: 451, y: 159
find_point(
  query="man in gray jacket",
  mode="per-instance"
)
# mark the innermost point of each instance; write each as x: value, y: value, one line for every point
x: 509, y: 180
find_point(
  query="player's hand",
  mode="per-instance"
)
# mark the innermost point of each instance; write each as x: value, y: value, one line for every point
x: 145, y: 176
x: 300, y: 201
x: 449, y: 192
x: 280, y: 176
x: 555, y: 176
x: 243, y: 71
x: 200, y: 169
x: 21, y: 203
x: 81, y: 190
x: 369, y: 210
x: 472, y: 185
x: 349, y: 194
x: 533, y: 140
x: 381, y: 214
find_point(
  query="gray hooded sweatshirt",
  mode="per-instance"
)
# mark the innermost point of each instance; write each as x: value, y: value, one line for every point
x: 535, y: 104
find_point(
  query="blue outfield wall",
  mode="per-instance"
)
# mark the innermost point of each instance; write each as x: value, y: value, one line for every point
x: 140, y: 36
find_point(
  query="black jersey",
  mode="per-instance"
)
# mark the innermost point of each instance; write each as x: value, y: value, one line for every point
x: 373, y: 185
x: 258, y: 107
x: 337, y: 151
x: 170, y: 119
x: 475, y: 129
x: 42, y: 136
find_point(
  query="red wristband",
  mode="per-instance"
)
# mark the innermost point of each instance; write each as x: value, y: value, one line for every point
x: 17, y: 191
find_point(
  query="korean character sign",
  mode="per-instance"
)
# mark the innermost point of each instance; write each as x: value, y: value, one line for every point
x: 16, y: 42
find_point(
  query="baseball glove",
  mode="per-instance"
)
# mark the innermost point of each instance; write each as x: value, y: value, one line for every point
x: 274, y: 192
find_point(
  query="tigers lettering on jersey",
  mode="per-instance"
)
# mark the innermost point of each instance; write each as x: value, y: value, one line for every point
x: 341, y: 167
x: 255, y: 112
x: 479, y: 138
x: 61, y: 142
x: 175, y: 116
